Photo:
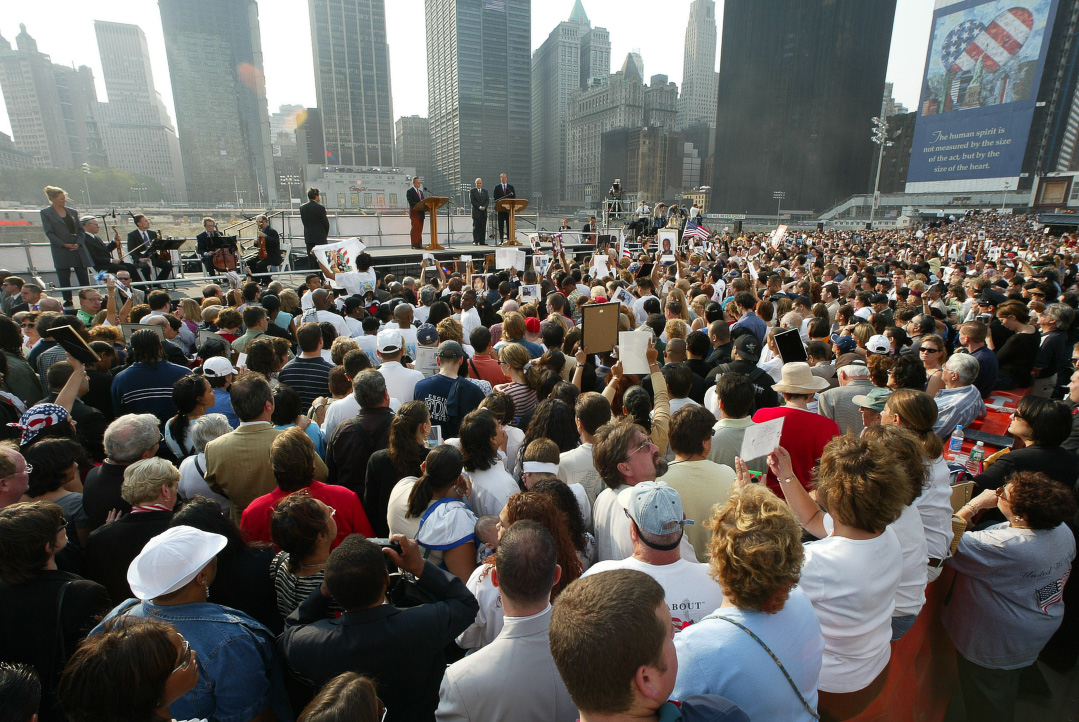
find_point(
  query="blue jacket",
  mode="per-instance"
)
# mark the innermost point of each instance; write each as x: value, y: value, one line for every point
x: 144, y: 388
x: 239, y: 672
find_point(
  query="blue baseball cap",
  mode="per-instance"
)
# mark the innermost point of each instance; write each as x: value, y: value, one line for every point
x: 654, y: 507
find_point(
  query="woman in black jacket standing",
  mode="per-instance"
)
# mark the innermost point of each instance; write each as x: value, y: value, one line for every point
x: 46, y: 611
x: 64, y: 231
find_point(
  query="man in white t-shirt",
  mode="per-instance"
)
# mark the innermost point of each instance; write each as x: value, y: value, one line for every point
x: 400, y: 381
x: 575, y: 466
x: 320, y: 312
x: 657, y: 527
x: 624, y: 456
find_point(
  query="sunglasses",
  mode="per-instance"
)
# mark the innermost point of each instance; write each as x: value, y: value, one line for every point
x: 924, y: 349
x: 187, y: 656
x: 29, y: 325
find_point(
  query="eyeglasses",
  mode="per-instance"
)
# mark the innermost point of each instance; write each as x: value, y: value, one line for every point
x: 1075, y: 362
x: 924, y: 349
x: 29, y: 468
x: 29, y: 325
x: 647, y: 443
x: 161, y: 439
x: 332, y: 510
x: 186, y: 657
x: 1002, y: 494
x: 63, y: 524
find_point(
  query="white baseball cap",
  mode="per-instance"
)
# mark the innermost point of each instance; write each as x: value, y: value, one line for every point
x: 389, y: 340
x: 878, y: 344
x: 217, y: 366
x: 172, y: 559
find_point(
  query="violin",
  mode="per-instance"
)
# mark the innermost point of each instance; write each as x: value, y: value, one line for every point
x: 262, y: 247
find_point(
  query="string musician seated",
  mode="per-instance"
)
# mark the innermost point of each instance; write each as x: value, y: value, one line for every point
x: 100, y: 252
x: 209, y: 242
x: 269, y: 249
x: 142, y: 246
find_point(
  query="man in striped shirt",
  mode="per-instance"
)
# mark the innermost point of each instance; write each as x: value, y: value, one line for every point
x: 308, y: 374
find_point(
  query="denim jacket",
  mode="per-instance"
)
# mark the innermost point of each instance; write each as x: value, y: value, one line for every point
x: 239, y: 674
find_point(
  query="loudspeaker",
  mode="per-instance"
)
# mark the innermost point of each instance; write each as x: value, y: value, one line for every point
x: 820, y: 227
x: 869, y: 226
x: 737, y: 228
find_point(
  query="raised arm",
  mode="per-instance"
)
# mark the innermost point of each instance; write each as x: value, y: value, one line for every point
x: 70, y: 392
x: 809, y: 515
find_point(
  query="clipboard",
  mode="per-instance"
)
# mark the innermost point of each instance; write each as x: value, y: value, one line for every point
x: 129, y: 328
x: 73, y: 343
x: 791, y: 348
x: 599, y: 327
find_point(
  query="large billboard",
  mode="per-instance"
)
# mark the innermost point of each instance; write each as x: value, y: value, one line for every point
x: 979, y: 90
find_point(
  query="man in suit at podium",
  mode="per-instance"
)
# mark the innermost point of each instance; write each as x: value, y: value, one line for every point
x: 138, y: 244
x: 503, y: 190
x: 480, y: 198
x: 316, y: 226
x: 414, y: 196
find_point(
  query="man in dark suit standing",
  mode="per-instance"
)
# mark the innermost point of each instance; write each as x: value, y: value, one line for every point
x: 503, y: 190
x: 138, y: 244
x: 588, y: 232
x: 414, y: 196
x: 316, y: 226
x: 480, y: 199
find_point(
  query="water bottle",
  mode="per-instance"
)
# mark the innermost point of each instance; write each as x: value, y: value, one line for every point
x: 955, y: 444
x: 977, y: 454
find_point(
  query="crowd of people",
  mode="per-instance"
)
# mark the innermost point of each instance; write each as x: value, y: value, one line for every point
x: 433, y: 500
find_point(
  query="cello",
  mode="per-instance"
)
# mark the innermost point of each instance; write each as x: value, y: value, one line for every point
x: 224, y: 258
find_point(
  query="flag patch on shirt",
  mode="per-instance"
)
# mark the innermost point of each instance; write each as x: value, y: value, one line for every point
x: 1051, y: 593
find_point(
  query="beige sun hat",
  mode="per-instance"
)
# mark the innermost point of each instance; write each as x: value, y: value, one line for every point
x: 799, y: 379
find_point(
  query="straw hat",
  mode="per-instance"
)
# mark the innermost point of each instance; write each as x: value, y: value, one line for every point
x: 798, y: 378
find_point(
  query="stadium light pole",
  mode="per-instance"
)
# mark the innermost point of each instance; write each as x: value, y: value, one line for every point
x: 779, y: 196
x: 85, y: 177
x: 880, y: 137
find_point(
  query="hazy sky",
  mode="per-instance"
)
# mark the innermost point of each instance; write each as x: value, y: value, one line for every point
x: 65, y: 30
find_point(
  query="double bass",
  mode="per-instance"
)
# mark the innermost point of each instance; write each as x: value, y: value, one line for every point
x: 224, y: 258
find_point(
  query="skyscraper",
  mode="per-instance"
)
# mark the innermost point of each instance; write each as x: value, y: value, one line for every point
x: 135, y: 125
x: 621, y: 100
x: 699, y: 77
x: 561, y: 65
x: 414, y: 144
x: 51, y: 107
x: 352, y: 80
x: 219, y: 91
x: 812, y: 71
x: 479, y: 92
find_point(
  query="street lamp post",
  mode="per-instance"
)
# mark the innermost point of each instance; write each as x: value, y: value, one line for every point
x: 139, y: 189
x: 1005, y: 199
x: 85, y: 180
x: 880, y: 137
x: 779, y: 196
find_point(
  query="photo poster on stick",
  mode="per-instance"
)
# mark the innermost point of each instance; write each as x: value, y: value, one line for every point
x: 534, y: 242
x: 777, y: 236
x: 556, y: 244
x: 530, y: 293
x: 761, y: 439
x: 541, y: 263
x: 623, y: 297
x: 599, y: 327
x: 632, y: 349
x: 668, y: 240
x: 339, y: 257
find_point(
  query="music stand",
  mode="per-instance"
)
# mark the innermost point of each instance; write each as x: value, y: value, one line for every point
x: 511, y: 206
x: 430, y: 205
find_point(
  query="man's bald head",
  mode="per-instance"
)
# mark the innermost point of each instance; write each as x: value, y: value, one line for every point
x: 402, y: 314
x: 320, y: 298
x: 676, y: 350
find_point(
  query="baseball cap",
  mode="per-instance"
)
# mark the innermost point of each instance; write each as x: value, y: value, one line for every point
x: 875, y: 399
x: 389, y: 340
x: 878, y: 344
x: 748, y: 347
x: 532, y: 324
x: 654, y: 507
x: 172, y: 559
x: 845, y: 344
x: 989, y: 297
x: 270, y: 301
x: 354, y: 302
x: 217, y: 367
x: 426, y: 334
x: 450, y: 349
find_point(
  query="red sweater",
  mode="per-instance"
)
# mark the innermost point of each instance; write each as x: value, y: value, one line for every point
x: 804, y: 436
x: 349, y: 513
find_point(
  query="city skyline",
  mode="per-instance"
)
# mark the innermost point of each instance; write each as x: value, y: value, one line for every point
x: 289, y: 66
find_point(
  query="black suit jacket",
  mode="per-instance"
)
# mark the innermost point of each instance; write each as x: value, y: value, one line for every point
x: 414, y: 196
x: 273, y: 245
x: 479, y: 197
x: 401, y: 649
x: 99, y: 252
x: 134, y: 240
x: 316, y: 226
x: 500, y: 194
x: 110, y: 549
x: 207, y: 244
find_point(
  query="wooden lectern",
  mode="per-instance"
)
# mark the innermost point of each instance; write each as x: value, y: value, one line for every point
x: 511, y: 206
x: 430, y: 206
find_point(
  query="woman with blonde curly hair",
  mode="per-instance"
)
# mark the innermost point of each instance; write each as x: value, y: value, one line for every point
x: 756, y: 556
x: 853, y: 573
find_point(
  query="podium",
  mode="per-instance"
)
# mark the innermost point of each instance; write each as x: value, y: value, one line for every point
x: 430, y: 206
x: 511, y: 206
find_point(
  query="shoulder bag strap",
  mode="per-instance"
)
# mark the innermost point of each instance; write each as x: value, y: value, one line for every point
x: 771, y: 654
x: 61, y: 658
